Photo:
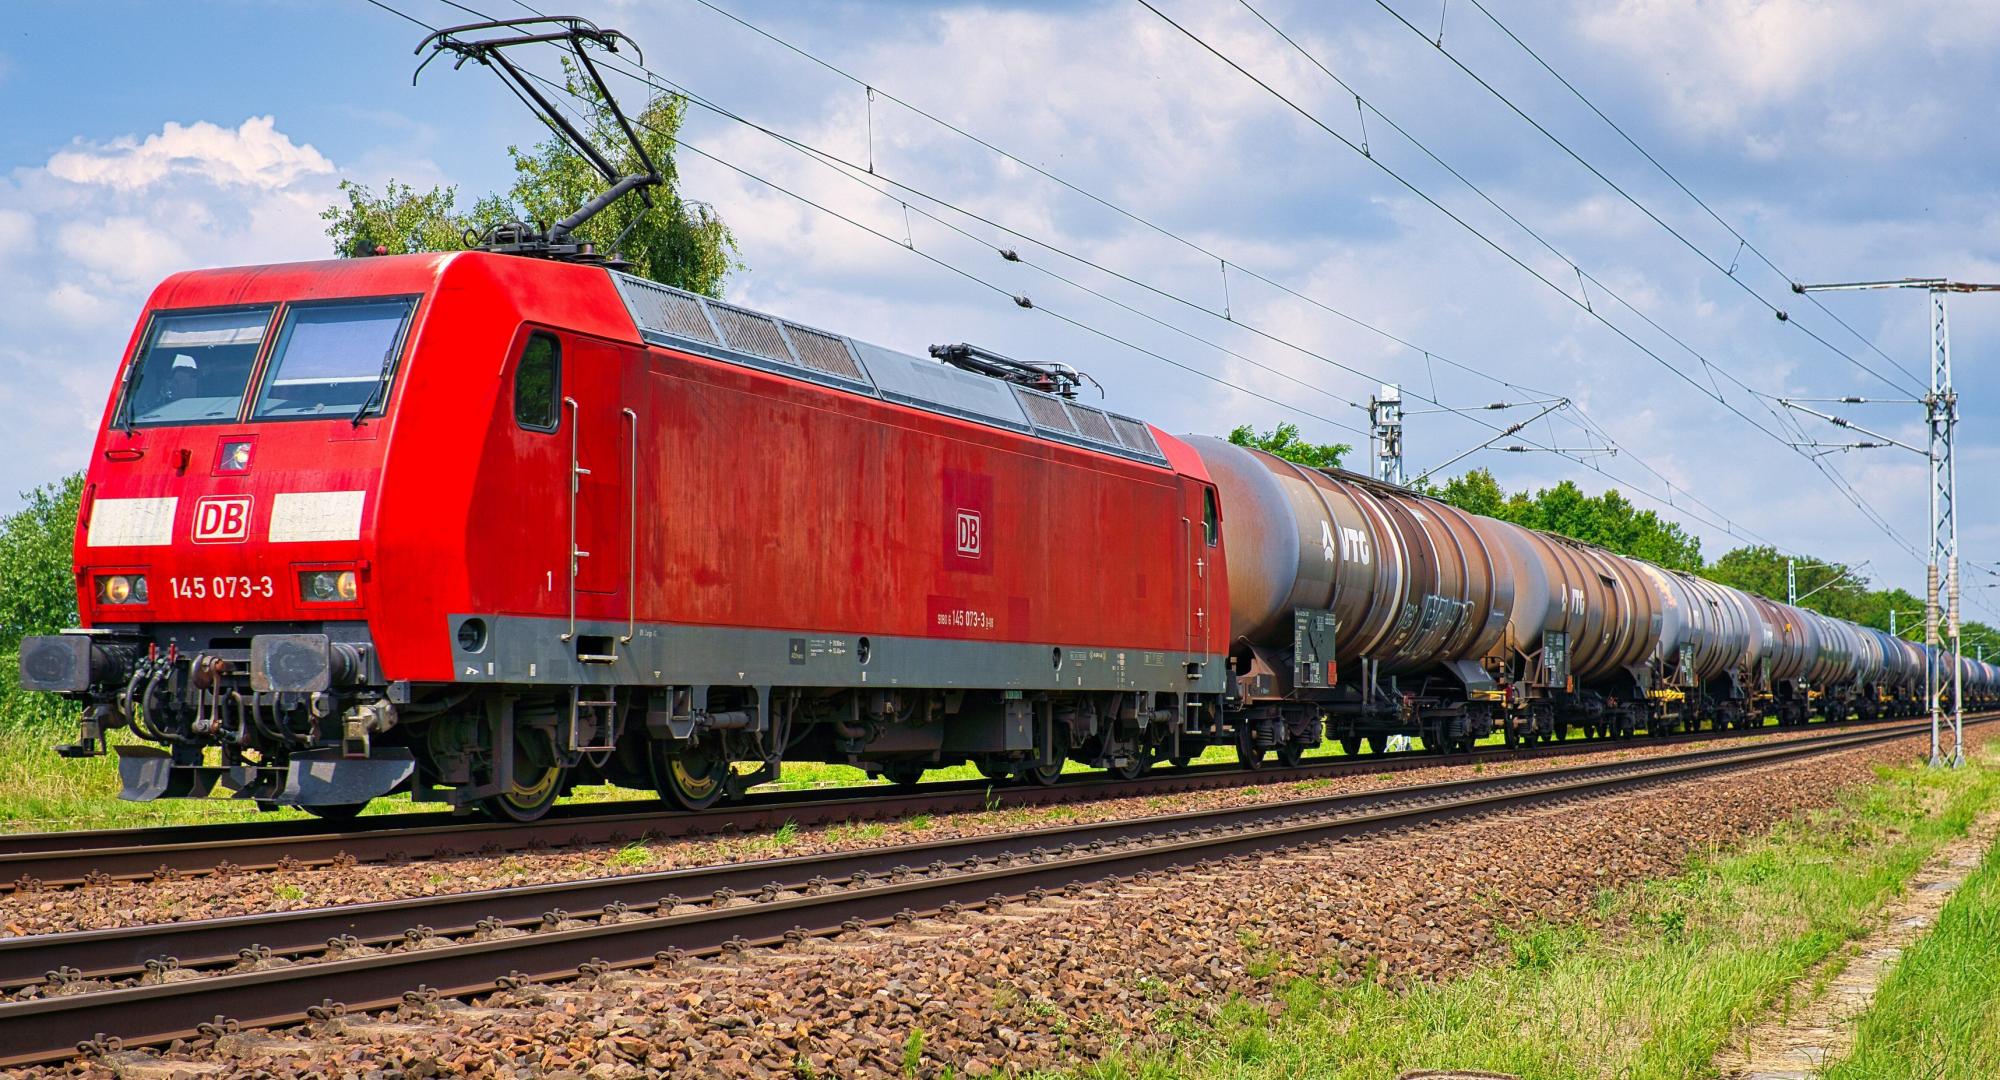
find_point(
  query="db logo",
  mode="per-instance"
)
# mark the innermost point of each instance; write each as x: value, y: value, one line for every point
x: 221, y: 519
x: 968, y: 533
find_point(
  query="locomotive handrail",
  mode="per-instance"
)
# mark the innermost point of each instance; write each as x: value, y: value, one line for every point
x: 575, y: 471
x: 632, y: 537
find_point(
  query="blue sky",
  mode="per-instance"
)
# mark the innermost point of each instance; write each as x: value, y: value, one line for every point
x: 1845, y: 139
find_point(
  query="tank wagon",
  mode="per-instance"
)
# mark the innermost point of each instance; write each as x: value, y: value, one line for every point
x: 1452, y: 626
x: 483, y: 527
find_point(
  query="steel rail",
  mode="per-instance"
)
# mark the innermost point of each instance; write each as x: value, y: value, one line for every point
x: 122, y: 952
x: 47, y: 1028
x: 59, y: 859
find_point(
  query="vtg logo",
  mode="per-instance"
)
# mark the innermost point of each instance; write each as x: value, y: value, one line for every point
x: 222, y: 519
x: 968, y: 533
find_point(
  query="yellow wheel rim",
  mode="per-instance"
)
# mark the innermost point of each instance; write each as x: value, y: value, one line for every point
x: 532, y: 795
x: 696, y: 787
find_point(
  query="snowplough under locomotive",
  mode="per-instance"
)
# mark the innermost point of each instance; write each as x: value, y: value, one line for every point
x: 483, y: 527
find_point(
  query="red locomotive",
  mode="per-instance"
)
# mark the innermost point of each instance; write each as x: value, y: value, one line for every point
x: 486, y: 526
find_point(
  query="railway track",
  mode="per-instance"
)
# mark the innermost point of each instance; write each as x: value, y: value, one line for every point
x: 147, y: 985
x: 63, y: 859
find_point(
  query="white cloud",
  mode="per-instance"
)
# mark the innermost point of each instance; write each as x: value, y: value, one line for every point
x: 17, y: 230
x: 254, y: 154
x: 79, y: 306
x: 106, y: 222
x: 122, y: 247
x: 1723, y: 57
x: 1855, y: 78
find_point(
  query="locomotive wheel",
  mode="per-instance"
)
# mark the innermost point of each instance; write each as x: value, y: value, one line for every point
x: 531, y: 798
x: 693, y: 779
x: 342, y: 812
x: 1042, y: 775
x: 903, y: 773
x: 1350, y: 745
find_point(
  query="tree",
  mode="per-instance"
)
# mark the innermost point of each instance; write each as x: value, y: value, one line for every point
x: 1284, y: 441
x: 676, y: 241
x: 1608, y: 520
x: 400, y: 221
x: 40, y: 593
x: 1758, y: 569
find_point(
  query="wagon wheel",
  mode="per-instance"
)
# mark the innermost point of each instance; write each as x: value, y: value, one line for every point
x: 536, y: 789
x: 996, y: 769
x: 1378, y: 744
x: 1180, y: 761
x: 1350, y: 745
x: 902, y: 773
x: 1291, y: 753
x: 1247, y: 754
x: 696, y: 777
x: 1134, y: 766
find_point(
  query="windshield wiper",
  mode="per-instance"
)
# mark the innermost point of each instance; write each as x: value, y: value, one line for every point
x: 131, y: 383
x: 381, y: 385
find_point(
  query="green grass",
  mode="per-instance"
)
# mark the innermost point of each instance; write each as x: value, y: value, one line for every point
x: 1937, y: 1016
x: 632, y: 855
x: 40, y: 791
x: 1681, y: 963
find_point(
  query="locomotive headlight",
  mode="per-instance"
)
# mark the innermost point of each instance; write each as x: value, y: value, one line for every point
x: 328, y: 586
x: 235, y: 456
x: 121, y: 589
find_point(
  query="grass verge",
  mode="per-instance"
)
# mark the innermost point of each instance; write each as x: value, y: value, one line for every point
x: 1655, y: 989
x: 1937, y: 1015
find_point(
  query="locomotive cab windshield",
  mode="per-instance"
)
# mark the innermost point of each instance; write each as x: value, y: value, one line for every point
x: 330, y: 360
x: 194, y: 367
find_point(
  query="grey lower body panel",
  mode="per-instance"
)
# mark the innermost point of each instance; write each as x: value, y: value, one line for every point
x: 529, y: 650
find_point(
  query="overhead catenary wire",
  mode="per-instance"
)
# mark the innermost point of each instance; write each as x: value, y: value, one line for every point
x: 1727, y: 272
x: 1584, y: 423
x: 1743, y: 242
x: 1845, y: 489
x: 942, y: 263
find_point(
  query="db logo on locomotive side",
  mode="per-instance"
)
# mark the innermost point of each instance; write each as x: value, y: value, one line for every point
x: 968, y: 533
x: 222, y: 519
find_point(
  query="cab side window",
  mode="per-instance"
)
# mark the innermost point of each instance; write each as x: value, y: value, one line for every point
x: 1211, y: 522
x: 538, y: 383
